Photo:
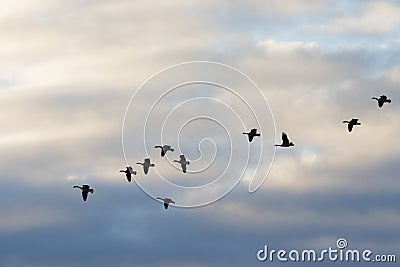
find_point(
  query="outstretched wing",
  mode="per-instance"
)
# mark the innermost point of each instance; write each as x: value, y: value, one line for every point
x: 350, y: 127
x: 183, y: 167
x: 84, y: 195
x: 285, y: 139
x: 250, y: 137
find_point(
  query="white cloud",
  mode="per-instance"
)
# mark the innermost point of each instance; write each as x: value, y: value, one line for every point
x: 282, y: 7
x: 392, y: 74
x: 273, y: 47
x: 377, y: 17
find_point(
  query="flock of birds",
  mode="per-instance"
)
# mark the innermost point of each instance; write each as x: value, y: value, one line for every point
x: 86, y: 189
x: 381, y: 101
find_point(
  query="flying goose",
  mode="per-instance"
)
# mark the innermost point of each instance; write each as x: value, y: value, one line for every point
x: 183, y: 162
x: 351, y: 124
x: 252, y: 133
x: 382, y: 100
x: 146, y: 164
x: 167, y: 201
x: 285, y: 141
x: 129, y: 171
x: 85, y: 190
x: 165, y: 149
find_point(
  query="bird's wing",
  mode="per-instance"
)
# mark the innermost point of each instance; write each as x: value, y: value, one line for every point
x: 84, y: 195
x: 350, y: 127
x: 250, y: 137
x: 183, y: 167
x: 285, y: 139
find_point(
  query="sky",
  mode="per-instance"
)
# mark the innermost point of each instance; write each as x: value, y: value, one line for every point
x: 77, y: 76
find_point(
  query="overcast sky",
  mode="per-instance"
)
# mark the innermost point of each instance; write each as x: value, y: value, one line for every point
x: 68, y: 70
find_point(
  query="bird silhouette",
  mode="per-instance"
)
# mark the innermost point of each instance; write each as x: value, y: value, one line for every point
x: 382, y: 100
x: 128, y: 172
x: 166, y: 201
x: 285, y: 141
x: 146, y: 164
x: 252, y: 134
x: 183, y: 162
x: 165, y: 149
x: 351, y: 124
x: 85, y: 190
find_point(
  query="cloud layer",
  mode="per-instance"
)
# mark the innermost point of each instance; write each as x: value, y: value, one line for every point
x: 69, y: 69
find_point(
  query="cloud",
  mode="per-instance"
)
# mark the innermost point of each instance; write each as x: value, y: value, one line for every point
x: 68, y: 71
x: 375, y: 17
x: 286, y: 7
